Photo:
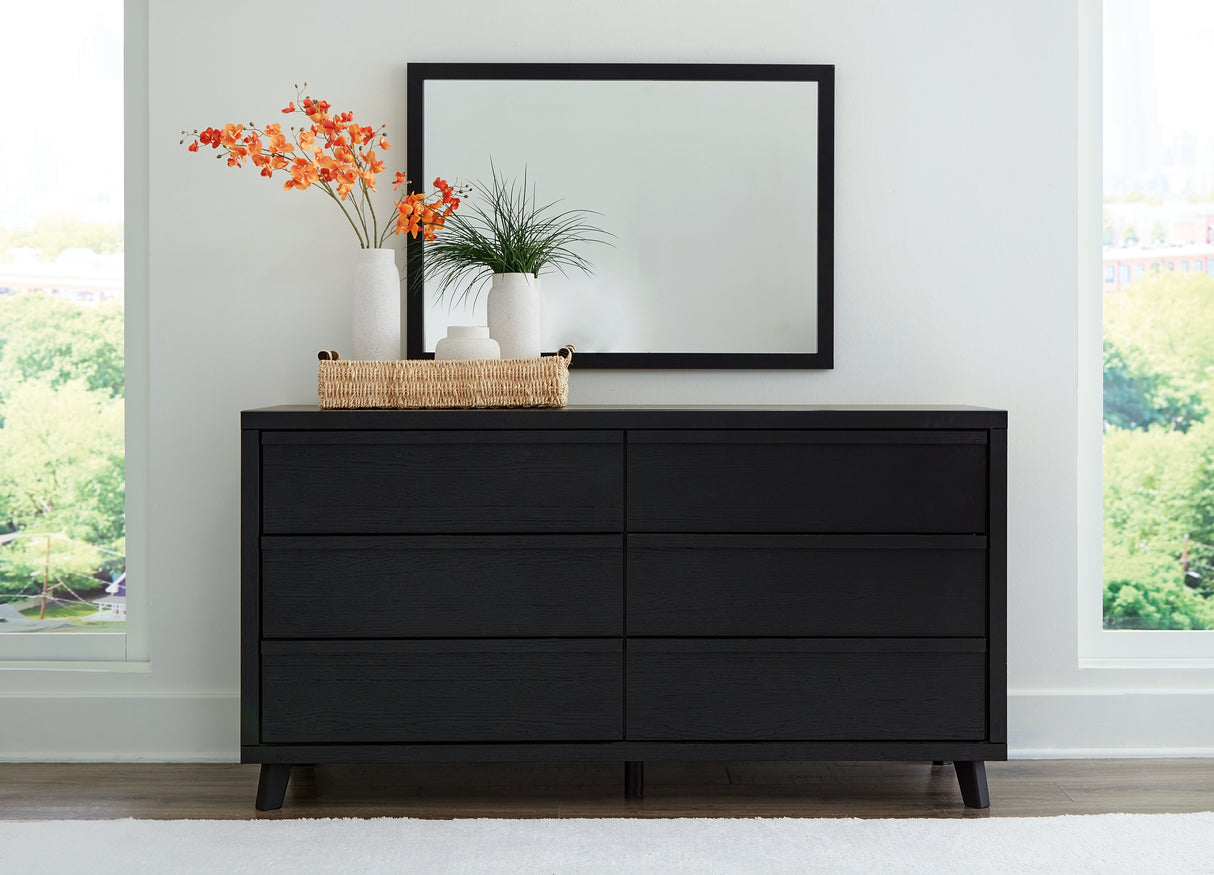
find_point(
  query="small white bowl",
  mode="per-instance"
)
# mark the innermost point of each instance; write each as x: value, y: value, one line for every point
x: 465, y: 342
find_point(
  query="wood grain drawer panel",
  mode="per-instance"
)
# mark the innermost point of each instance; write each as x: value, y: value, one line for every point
x: 793, y: 585
x: 807, y: 481
x: 440, y: 691
x: 421, y: 482
x: 842, y: 690
x: 440, y: 586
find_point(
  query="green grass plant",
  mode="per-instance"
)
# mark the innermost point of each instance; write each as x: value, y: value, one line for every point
x: 503, y: 229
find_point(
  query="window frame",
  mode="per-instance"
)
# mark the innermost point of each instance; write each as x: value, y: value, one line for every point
x: 1100, y: 647
x: 99, y: 650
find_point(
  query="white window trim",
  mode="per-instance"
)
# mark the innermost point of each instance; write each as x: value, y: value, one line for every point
x: 1098, y: 647
x: 87, y: 651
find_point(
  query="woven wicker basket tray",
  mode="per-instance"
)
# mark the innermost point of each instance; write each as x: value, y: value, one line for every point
x: 414, y: 383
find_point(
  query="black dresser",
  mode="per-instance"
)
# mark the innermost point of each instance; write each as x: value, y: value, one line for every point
x: 623, y: 584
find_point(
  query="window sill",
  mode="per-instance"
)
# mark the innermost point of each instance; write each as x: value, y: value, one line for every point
x: 26, y: 648
x: 1160, y: 663
x: 109, y: 667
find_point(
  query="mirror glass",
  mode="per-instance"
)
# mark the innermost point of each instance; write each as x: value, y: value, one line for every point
x: 709, y: 188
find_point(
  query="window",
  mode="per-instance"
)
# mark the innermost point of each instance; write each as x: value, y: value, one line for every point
x: 1158, y: 393
x: 63, y: 314
x: 1139, y: 270
x: 1125, y: 274
x: 1110, y: 273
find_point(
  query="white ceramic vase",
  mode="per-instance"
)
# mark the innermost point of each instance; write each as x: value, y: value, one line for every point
x: 465, y: 342
x: 376, y: 306
x: 513, y: 312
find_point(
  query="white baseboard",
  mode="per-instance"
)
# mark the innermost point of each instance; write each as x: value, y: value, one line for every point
x: 204, y: 727
x: 1109, y: 753
x: 1081, y: 724
x: 150, y: 727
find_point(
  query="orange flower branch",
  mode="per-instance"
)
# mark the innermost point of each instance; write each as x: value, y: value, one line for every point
x: 337, y: 155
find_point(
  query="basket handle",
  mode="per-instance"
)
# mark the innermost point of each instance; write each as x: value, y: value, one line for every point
x: 328, y: 355
x: 566, y: 352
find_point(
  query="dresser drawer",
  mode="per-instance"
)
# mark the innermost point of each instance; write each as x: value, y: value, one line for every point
x: 440, y: 691
x: 816, y: 690
x: 418, y: 482
x: 439, y: 586
x: 807, y: 481
x: 807, y: 585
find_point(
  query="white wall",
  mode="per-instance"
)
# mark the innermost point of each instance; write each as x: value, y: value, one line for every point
x: 956, y: 241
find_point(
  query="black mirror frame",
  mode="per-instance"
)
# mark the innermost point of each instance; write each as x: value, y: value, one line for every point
x: 823, y: 74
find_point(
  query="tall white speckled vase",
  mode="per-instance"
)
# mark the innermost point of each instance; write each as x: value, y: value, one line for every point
x: 513, y: 313
x: 376, y: 306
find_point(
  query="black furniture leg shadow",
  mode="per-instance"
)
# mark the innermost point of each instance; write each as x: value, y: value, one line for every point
x: 971, y: 775
x: 272, y: 785
x: 634, y: 780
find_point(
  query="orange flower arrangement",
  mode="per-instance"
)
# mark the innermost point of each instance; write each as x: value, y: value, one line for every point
x: 337, y: 155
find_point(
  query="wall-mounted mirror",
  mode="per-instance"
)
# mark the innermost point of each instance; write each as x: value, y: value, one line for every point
x: 716, y: 180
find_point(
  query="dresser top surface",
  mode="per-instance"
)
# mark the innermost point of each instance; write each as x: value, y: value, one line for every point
x: 632, y: 416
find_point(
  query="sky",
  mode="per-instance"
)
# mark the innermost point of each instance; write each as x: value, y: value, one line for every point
x: 1183, y: 38
x: 62, y: 143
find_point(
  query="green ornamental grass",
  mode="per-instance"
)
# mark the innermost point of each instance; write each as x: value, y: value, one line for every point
x: 501, y: 229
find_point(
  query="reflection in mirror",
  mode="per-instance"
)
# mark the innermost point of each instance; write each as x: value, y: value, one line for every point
x: 712, y: 188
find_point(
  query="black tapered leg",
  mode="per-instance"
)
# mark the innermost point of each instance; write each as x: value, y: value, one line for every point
x: 272, y: 785
x: 971, y: 775
x: 634, y: 780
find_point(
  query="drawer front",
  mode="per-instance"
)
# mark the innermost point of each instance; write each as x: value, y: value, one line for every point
x: 440, y: 691
x: 465, y: 586
x: 422, y: 482
x: 807, y: 481
x: 875, y: 690
x: 791, y: 585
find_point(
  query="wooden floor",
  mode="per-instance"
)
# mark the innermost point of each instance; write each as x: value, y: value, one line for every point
x: 1022, y: 788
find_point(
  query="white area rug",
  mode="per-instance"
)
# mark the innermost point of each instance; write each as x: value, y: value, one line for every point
x: 1105, y: 843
